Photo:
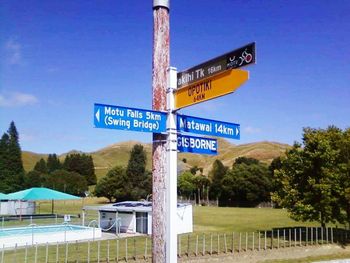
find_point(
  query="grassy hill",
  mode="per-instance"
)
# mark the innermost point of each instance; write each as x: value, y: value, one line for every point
x: 118, y: 154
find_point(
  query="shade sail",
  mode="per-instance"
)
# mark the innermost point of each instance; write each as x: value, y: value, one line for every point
x: 40, y: 193
x: 3, y: 196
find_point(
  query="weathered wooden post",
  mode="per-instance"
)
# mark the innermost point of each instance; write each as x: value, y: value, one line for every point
x: 159, y: 103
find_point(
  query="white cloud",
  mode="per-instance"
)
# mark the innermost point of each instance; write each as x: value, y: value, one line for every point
x: 14, y: 50
x: 251, y: 130
x: 17, y: 99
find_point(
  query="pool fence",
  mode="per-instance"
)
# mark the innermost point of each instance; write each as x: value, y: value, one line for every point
x: 139, y: 248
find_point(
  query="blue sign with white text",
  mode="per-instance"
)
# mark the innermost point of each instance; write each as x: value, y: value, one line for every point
x: 197, y: 144
x: 131, y: 119
x: 208, y: 127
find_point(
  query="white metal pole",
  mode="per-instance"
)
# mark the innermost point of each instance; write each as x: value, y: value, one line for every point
x: 171, y: 177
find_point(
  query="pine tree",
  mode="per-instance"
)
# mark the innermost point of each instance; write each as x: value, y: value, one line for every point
x: 53, y: 163
x: 14, y: 151
x: 4, y: 172
x: 82, y: 164
x: 41, y: 166
x: 140, y: 179
x: 11, y: 165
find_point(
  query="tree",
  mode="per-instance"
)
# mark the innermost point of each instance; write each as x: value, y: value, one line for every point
x: 140, y: 179
x: 11, y: 165
x: 34, y: 179
x: 202, y: 183
x: 14, y: 151
x: 115, y: 185
x: 4, y: 172
x: 82, y: 164
x: 41, y: 166
x: 216, y: 174
x: 246, y: 184
x: 186, y: 185
x: 344, y: 167
x: 246, y: 160
x: 310, y: 179
x: 53, y: 163
x: 68, y: 182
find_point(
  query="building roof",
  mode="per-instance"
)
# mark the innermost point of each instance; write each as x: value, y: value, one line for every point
x: 127, y: 206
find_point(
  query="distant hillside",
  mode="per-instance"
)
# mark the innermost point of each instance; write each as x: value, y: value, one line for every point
x: 118, y: 154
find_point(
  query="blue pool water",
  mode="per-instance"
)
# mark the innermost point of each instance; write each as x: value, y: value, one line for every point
x: 39, y: 229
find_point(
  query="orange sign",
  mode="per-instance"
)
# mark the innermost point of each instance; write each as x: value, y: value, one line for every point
x: 210, y: 88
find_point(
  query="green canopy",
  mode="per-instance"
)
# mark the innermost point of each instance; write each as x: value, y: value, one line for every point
x: 3, y: 197
x: 40, y: 193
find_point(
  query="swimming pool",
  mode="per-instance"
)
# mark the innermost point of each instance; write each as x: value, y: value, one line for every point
x: 34, y: 234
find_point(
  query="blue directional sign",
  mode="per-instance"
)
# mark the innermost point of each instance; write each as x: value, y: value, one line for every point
x: 131, y: 119
x: 197, y: 145
x: 208, y: 127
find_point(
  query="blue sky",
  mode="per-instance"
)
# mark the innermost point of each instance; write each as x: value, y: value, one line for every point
x: 58, y: 58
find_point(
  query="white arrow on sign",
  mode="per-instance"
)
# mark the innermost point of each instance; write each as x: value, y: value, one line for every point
x: 237, y: 131
x: 98, y: 115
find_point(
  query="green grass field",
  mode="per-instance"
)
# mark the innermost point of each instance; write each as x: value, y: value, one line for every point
x: 205, y: 219
x: 215, y: 225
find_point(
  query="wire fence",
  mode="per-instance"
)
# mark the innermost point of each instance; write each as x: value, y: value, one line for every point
x: 139, y: 248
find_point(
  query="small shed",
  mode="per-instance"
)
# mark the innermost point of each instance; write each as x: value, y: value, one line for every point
x: 136, y: 217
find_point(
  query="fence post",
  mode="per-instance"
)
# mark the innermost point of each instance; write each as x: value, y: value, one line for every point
x: 225, y: 243
x: 316, y: 235
x: 47, y: 252
x: 203, y: 248
x: 327, y: 235
x: 246, y: 241
x: 180, y: 246
x: 211, y: 244
x: 232, y: 243
x: 300, y: 237
x: 312, y: 236
x: 117, y: 250
x: 188, y: 245
x: 278, y: 238
x: 36, y: 253
x: 126, y: 249
x: 240, y: 242
x: 272, y: 239
x: 57, y: 257
x: 259, y: 239
x: 290, y: 237
x: 145, y: 257
x: 88, y: 252
x: 295, y: 237
x: 98, y: 251
x: 218, y: 244
x: 284, y: 237
x: 196, y: 245
x: 265, y: 240
x: 332, y: 235
x: 25, y: 254
x: 3, y: 253
x: 321, y: 235
x: 107, y: 250
x: 307, y: 236
x: 134, y: 248
x: 66, y: 254
x: 15, y: 253
x: 253, y: 241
